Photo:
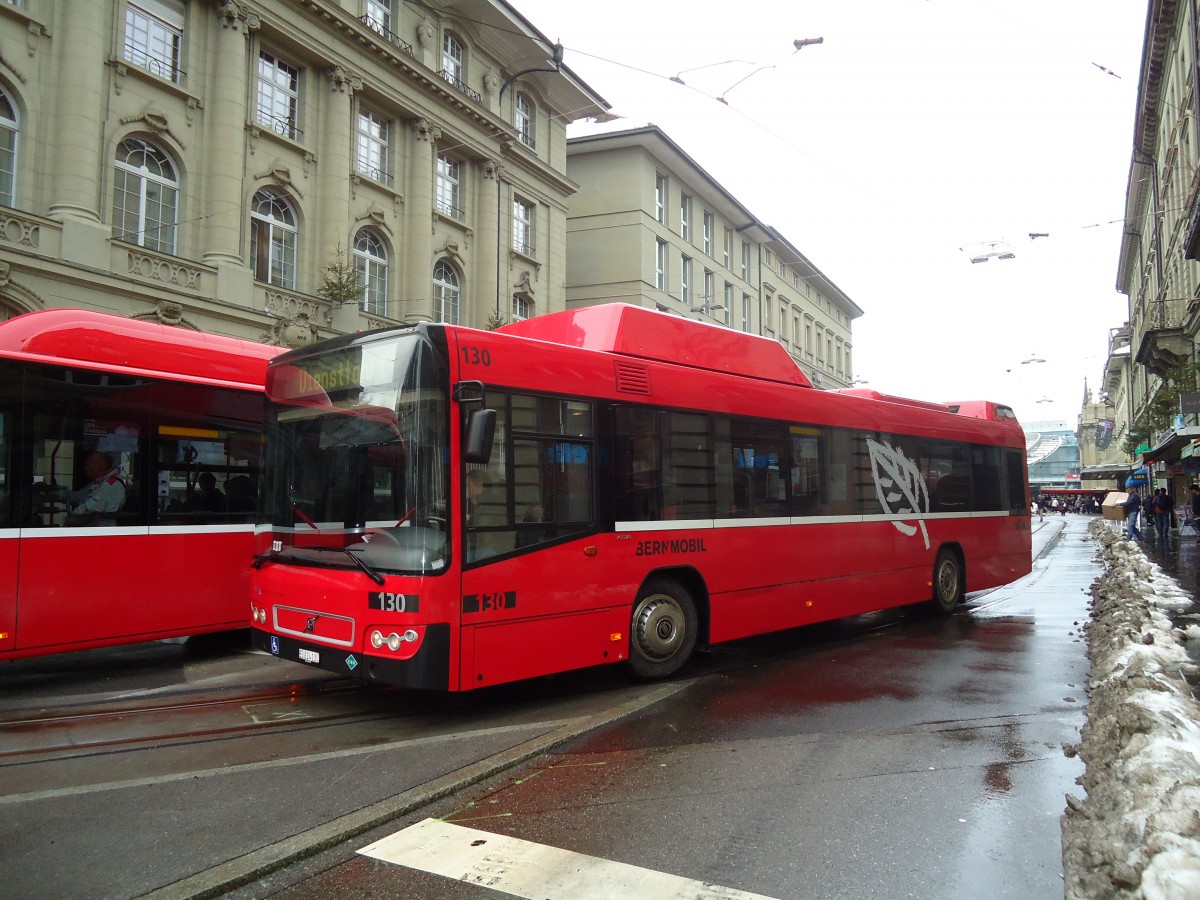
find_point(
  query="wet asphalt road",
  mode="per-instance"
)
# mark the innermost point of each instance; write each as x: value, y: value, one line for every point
x: 898, y: 754
x: 895, y: 755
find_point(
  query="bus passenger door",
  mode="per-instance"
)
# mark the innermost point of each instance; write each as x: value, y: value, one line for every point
x: 10, y: 544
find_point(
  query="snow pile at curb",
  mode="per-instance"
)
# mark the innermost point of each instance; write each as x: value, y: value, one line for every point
x: 1138, y: 832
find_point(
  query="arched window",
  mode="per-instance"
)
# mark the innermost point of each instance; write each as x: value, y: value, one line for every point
x: 371, y: 265
x: 523, y: 119
x: 273, y: 235
x: 145, y: 196
x: 8, y: 150
x: 446, y: 292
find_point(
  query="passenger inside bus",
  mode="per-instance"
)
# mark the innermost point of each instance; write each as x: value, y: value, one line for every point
x: 240, y: 493
x: 98, y: 501
x: 206, y: 497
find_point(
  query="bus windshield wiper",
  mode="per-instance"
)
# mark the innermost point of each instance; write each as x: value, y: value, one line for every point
x: 358, y: 560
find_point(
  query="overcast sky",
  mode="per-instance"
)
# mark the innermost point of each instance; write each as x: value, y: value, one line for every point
x: 916, y: 129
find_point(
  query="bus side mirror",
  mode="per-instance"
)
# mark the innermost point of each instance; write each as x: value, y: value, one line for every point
x: 481, y: 431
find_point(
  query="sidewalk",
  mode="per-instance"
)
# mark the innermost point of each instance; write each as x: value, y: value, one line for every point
x: 1179, y: 558
x: 1137, y: 832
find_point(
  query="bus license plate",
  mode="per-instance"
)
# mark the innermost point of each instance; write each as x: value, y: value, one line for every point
x: 309, y: 656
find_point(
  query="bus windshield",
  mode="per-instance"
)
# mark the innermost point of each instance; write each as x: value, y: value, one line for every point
x: 356, y: 465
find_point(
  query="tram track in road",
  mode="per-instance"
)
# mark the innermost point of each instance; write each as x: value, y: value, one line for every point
x: 144, y: 738
x: 101, y: 727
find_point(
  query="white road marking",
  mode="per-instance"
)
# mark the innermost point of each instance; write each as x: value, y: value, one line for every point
x: 533, y: 871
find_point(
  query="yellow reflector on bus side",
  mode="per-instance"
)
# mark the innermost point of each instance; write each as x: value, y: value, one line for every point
x: 180, y: 431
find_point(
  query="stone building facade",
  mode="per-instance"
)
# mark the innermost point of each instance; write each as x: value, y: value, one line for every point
x: 649, y: 226
x: 245, y: 166
x: 1159, y: 263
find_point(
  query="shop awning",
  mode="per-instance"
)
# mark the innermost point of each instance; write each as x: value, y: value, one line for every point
x: 1171, y: 445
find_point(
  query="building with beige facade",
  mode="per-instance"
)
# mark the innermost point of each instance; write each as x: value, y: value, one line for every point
x: 649, y: 226
x: 230, y: 164
x: 1104, y: 419
x: 1152, y: 357
x: 1151, y: 354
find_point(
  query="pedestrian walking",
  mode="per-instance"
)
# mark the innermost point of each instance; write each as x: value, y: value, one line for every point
x: 1164, y: 512
x: 1133, y: 508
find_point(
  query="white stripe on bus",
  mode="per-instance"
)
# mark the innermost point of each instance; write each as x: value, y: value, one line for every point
x: 776, y: 521
x: 123, y: 531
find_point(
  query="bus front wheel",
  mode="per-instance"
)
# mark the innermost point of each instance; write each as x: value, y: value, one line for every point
x: 662, y: 630
x: 947, y: 581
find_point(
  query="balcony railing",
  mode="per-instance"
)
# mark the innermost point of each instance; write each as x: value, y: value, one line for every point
x: 286, y: 127
x: 161, y: 67
x: 388, y: 35
x: 374, y: 173
x: 447, y: 209
x: 460, y: 85
x: 1164, y: 341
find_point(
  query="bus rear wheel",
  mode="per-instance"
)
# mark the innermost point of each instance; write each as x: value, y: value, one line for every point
x: 947, y: 581
x: 662, y: 630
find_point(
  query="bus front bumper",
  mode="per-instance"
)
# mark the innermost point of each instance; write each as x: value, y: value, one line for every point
x: 429, y: 669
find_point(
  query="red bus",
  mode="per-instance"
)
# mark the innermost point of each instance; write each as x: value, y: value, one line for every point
x: 451, y: 508
x: 129, y: 456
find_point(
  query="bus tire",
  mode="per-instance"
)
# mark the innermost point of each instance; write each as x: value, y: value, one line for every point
x: 662, y: 629
x: 948, y: 581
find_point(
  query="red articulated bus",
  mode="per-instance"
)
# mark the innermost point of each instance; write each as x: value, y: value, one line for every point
x: 451, y: 508
x: 129, y: 456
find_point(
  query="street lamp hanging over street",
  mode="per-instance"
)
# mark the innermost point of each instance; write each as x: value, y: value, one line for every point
x: 985, y: 250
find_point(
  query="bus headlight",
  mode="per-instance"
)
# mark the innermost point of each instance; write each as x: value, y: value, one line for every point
x: 394, y: 642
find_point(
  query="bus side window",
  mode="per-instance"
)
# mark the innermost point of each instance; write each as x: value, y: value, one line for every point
x: 948, y: 472
x: 636, y: 465
x: 849, y: 478
x: 807, y: 481
x: 540, y: 483
x: 759, y: 469
x: 207, y: 446
x: 985, y: 474
x: 1017, y: 476
x: 689, y: 461
x: 78, y: 413
x: 8, y: 498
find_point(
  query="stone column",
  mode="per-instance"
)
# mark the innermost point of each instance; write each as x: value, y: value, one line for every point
x: 419, y: 264
x: 336, y: 163
x: 226, y: 125
x: 334, y: 168
x: 225, y: 122
x: 76, y: 151
x: 77, y: 163
x: 489, y: 250
x: 225, y: 155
